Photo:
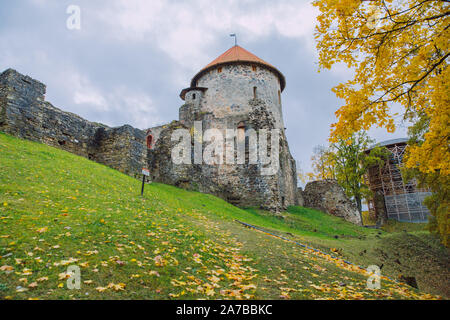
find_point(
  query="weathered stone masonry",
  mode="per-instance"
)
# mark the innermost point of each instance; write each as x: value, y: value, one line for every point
x: 236, y: 91
x: 25, y: 113
x: 328, y: 196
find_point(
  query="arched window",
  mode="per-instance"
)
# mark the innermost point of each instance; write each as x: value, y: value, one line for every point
x: 193, y: 96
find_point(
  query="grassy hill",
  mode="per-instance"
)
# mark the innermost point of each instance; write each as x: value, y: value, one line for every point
x: 59, y: 210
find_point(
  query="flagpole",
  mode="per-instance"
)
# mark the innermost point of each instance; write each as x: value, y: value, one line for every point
x: 235, y: 38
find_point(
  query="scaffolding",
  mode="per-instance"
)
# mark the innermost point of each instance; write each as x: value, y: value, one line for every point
x: 402, y: 201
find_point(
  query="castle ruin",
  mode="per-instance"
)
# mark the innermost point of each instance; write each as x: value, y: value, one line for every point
x: 237, y: 91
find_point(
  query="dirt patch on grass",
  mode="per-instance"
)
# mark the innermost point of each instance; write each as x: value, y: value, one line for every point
x: 419, y: 256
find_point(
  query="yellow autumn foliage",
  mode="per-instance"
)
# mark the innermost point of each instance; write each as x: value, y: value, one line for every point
x: 399, y: 51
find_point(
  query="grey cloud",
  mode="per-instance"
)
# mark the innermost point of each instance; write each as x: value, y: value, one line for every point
x: 105, y: 74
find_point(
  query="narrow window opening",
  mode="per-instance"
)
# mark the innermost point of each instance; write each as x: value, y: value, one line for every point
x: 149, y: 141
x: 254, y: 68
x: 241, y: 131
x: 219, y: 70
x: 254, y: 92
x: 279, y: 97
x: 193, y: 96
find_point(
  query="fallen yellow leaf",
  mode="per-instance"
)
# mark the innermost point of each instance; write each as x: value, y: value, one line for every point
x: 42, y: 230
x: 6, y: 268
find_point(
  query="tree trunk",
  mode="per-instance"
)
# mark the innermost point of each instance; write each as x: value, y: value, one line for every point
x: 359, y: 206
x: 380, y: 208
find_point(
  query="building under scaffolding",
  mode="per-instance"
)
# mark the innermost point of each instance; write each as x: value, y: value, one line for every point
x: 401, y: 201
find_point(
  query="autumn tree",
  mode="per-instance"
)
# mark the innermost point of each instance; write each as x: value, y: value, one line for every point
x: 399, y: 51
x: 302, y: 177
x: 351, y: 163
x: 347, y: 161
x: 322, y: 162
x: 439, y: 184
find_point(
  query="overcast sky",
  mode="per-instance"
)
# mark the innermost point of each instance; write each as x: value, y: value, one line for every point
x: 131, y: 58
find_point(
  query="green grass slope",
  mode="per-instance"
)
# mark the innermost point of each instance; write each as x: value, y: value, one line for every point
x: 59, y: 210
x: 402, y: 249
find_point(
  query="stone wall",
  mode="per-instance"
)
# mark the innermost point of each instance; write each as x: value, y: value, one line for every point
x: 300, y: 200
x: 240, y: 184
x: 122, y: 148
x: 24, y: 113
x: 328, y: 196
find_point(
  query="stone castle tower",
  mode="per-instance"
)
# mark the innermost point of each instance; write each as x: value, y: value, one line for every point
x: 227, y: 85
x: 239, y: 91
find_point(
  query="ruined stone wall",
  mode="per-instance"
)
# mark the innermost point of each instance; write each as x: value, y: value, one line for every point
x: 122, y: 148
x: 24, y: 113
x: 240, y: 184
x: 300, y: 200
x: 328, y: 196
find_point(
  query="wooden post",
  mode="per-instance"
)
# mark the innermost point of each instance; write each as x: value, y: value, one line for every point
x: 143, y: 183
x: 145, y: 172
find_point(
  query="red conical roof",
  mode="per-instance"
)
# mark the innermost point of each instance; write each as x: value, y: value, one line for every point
x: 239, y: 54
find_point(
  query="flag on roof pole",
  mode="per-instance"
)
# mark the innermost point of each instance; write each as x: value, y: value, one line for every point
x: 235, y: 38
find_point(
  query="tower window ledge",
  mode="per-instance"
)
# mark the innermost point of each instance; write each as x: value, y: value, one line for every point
x: 185, y: 91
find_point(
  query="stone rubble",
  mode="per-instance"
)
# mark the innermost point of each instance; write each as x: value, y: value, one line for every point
x: 328, y: 196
